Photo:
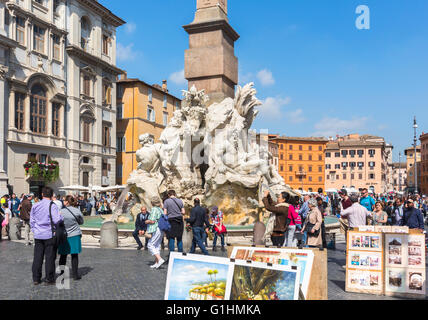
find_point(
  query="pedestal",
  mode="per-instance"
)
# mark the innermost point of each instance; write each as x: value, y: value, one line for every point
x: 3, y: 183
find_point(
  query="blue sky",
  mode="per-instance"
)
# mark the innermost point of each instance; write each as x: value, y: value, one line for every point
x: 316, y: 73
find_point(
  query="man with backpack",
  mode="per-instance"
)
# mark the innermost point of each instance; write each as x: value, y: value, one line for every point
x: 44, y: 216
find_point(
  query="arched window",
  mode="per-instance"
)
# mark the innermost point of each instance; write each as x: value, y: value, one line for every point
x: 38, y: 109
x: 85, y: 26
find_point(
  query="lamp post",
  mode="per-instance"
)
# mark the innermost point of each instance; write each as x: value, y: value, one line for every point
x: 415, y: 127
x: 399, y: 172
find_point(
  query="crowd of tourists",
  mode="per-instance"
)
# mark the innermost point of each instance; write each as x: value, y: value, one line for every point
x: 295, y: 221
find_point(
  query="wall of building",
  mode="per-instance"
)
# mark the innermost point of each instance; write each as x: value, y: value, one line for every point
x: 424, y: 164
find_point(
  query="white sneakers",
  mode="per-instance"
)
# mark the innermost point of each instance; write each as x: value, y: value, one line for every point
x: 157, y: 265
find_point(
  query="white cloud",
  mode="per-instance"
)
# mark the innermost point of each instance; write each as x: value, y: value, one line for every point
x: 130, y: 27
x: 330, y: 127
x: 296, y: 116
x: 245, y: 78
x: 272, y: 107
x: 178, y: 77
x: 126, y: 53
x: 265, y: 77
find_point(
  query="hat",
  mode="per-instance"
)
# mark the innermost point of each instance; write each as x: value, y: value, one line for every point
x: 343, y: 191
x: 31, y: 195
x: 410, y: 200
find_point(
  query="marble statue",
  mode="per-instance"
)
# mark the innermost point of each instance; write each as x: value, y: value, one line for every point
x: 209, y: 152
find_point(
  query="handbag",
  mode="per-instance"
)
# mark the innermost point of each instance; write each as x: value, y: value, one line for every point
x: 221, y: 230
x: 59, y: 233
x: 309, y: 227
x: 78, y: 220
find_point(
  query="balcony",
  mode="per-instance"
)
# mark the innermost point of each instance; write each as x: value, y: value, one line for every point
x: 300, y: 174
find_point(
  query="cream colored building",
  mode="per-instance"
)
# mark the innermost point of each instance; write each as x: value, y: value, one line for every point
x: 410, y: 160
x: 399, y: 176
x: 357, y: 161
x: 57, y: 59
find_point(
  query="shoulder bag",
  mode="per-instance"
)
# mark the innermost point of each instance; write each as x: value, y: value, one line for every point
x: 309, y: 227
x: 59, y: 233
x: 78, y: 220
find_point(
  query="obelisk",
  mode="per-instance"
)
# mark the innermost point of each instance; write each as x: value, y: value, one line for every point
x: 210, y: 61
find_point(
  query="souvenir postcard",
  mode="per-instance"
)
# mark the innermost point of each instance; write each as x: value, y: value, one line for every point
x: 365, y: 260
x: 395, y: 281
x: 364, y: 280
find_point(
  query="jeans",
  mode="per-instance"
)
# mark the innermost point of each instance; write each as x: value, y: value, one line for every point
x: 215, y: 239
x: 204, y: 238
x: 136, y: 236
x: 44, y: 249
x: 290, y: 239
x: 197, y: 240
x: 171, y: 244
x: 304, y: 238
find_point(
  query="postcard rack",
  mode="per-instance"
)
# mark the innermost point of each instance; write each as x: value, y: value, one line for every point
x: 390, y: 263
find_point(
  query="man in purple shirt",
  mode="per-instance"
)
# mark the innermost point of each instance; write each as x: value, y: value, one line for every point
x: 44, y: 245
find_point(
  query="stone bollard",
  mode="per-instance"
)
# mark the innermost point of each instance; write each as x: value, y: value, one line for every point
x: 93, y: 212
x: 258, y: 233
x: 109, y: 235
x: 15, y: 228
x: 187, y: 240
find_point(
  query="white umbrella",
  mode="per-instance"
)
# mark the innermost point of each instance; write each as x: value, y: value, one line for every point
x: 74, y: 188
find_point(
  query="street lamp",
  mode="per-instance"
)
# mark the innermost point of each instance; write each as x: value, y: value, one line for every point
x: 399, y: 172
x: 415, y: 126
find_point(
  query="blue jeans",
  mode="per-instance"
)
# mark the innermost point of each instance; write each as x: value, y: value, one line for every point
x: 198, y: 240
x: 171, y: 245
x: 215, y: 239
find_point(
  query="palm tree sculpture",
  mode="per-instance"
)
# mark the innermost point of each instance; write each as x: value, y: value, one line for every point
x: 210, y: 273
x: 215, y: 275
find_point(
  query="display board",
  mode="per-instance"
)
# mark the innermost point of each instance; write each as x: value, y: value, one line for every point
x: 280, y: 256
x: 198, y: 277
x: 405, y: 265
x: 364, y: 262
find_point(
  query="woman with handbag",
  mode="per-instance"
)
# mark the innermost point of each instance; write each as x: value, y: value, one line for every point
x: 73, y: 218
x: 313, y: 225
x: 219, y: 228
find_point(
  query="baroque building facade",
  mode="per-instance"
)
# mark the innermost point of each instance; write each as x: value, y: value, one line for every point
x: 58, y: 64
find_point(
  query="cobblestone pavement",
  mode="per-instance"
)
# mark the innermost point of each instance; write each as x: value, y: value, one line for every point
x: 124, y: 275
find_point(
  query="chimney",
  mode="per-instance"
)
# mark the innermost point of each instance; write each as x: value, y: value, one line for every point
x: 164, y: 86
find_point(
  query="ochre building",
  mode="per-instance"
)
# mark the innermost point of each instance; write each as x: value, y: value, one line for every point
x: 143, y: 108
x: 301, y: 161
x: 424, y: 164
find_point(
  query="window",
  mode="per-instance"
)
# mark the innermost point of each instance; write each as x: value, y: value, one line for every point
x: 86, y: 129
x: 85, y: 160
x: 20, y: 30
x: 106, y: 136
x: 371, y: 176
x: 344, y: 153
x: 337, y: 155
x: 290, y: 178
x: 352, y: 153
x: 19, y: 110
x: 282, y: 156
x: 310, y: 179
x: 319, y: 179
x: 105, y: 168
x: 328, y: 155
x: 300, y: 157
x: 119, y: 171
x: 281, y: 147
x: 106, y: 42
x: 320, y: 168
x: 360, y: 164
x: 372, y: 165
x: 344, y: 165
x: 320, y: 148
x: 150, y: 94
x: 344, y: 176
x: 39, y: 39
x: 119, y: 112
x: 85, y: 32
x: 328, y: 166
x: 281, y: 168
x: 56, y: 5
x: 372, y: 153
x: 41, y: 2
x: 352, y: 164
x: 56, y: 107
x: 337, y: 166
x: 165, y: 119
x: 291, y: 147
x: 87, y: 85
x: 150, y: 114
x: 352, y: 176
x: 320, y: 157
x: 310, y: 169
x: 290, y: 157
x: 360, y: 153
x: 38, y: 110
x: 121, y: 144
x: 300, y: 148
x: 106, y: 94
x: 177, y: 105
x: 360, y: 176
x: 56, y: 47
x: 290, y: 168
x: 310, y: 148
x: 310, y: 157
x: 165, y: 100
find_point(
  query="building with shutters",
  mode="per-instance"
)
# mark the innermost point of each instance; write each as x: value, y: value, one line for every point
x: 58, y: 77
x: 359, y: 161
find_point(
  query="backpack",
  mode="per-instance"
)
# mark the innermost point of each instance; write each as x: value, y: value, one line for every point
x: 164, y: 224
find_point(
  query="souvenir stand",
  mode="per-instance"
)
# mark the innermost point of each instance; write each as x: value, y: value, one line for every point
x: 386, y: 260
